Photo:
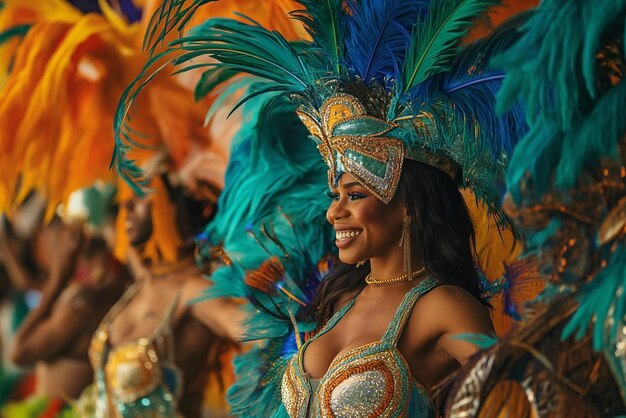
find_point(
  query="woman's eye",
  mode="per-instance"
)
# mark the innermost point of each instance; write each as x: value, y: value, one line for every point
x: 332, y: 195
x: 356, y: 196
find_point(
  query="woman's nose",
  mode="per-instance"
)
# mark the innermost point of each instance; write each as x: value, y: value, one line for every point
x: 336, y: 210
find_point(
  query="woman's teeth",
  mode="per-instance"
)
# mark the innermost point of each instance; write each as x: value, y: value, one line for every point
x: 344, y: 235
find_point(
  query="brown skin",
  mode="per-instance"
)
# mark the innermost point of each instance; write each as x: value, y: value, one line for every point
x: 427, y: 341
x: 11, y: 250
x: 197, y: 326
x: 55, y: 336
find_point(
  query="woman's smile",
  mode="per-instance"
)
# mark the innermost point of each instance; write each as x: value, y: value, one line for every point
x: 345, y: 237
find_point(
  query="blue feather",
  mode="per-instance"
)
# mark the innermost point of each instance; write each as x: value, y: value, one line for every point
x: 132, y: 12
x: 378, y: 33
x: 473, y: 85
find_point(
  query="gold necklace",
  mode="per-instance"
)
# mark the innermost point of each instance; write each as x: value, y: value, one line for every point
x: 386, y: 282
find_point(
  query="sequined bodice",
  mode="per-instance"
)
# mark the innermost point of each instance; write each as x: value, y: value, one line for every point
x: 373, y: 380
x: 134, y: 379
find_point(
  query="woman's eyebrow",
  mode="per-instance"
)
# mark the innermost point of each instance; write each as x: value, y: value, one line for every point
x: 352, y: 184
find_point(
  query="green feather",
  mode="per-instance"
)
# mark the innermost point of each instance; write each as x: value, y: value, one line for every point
x: 171, y: 14
x: 601, y: 303
x: 247, y: 48
x: 210, y: 80
x: 127, y: 138
x: 481, y: 341
x: 434, y: 42
x: 240, y: 47
x: 20, y: 31
x: 322, y: 20
x: 583, y: 146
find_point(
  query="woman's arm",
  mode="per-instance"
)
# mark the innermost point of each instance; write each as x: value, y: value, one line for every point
x: 51, y: 326
x: 18, y: 275
x: 223, y: 316
x: 457, y: 313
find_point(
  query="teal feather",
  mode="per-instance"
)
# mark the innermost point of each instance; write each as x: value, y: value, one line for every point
x: 251, y: 48
x: 434, y: 43
x: 247, y: 48
x: 567, y: 72
x: 601, y: 302
x: 124, y: 136
x: 574, y: 111
x: 585, y: 146
x: 600, y: 18
x: 170, y: 15
x: 210, y: 80
x: 481, y: 341
x: 562, y: 99
x: 468, y: 92
x: 12, y: 32
x: 271, y: 206
x: 322, y: 19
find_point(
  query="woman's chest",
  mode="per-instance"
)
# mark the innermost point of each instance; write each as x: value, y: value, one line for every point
x: 370, y: 380
x: 362, y: 325
x: 145, y: 314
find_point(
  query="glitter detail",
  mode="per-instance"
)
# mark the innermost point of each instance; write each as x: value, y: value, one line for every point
x: 348, y: 139
x: 129, y: 371
x: 373, y: 380
x: 132, y: 379
x: 354, y: 395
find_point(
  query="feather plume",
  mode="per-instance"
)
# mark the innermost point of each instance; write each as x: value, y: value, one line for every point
x: 172, y: 14
x: 468, y: 92
x: 323, y: 19
x: 241, y: 47
x: 269, y: 251
x: 434, y: 43
x: 601, y: 303
x: 247, y: 48
x: 473, y: 85
x: 584, y: 147
x: 247, y: 44
x: 378, y: 33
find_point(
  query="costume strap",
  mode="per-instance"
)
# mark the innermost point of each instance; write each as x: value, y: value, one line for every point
x: 403, y: 312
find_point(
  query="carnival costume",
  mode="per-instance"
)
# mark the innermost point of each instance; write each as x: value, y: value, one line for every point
x: 56, y: 139
x: 373, y: 88
x: 567, y: 194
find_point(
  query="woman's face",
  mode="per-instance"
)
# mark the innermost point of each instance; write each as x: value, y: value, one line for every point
x: 138, y: 222
x: 365, y: 226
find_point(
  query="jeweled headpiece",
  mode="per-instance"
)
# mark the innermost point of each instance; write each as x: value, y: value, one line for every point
x: 380, y: 81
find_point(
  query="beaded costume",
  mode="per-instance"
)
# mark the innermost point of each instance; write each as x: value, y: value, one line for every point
x: 135, y: 379
x: 567, y: 194
x: 373, y: 379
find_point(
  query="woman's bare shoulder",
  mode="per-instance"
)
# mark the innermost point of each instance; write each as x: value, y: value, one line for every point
x: 449, y: 309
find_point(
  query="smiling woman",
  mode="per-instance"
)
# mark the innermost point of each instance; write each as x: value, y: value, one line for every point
x: 401, y: 122
x: 371, y: 297
x: 368, y: 229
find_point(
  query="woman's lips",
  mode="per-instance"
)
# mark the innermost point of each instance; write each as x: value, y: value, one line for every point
x: 344, y: 237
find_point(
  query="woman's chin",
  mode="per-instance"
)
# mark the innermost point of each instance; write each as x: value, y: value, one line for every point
x: 347, y: 258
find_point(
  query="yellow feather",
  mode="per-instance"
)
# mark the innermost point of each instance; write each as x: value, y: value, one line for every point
x: 496, y: 248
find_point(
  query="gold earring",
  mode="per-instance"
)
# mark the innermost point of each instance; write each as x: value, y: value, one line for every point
x: 405, y: 242
x: 360, y: 263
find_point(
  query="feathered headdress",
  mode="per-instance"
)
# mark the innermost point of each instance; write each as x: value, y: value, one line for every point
x: 380, y: 81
